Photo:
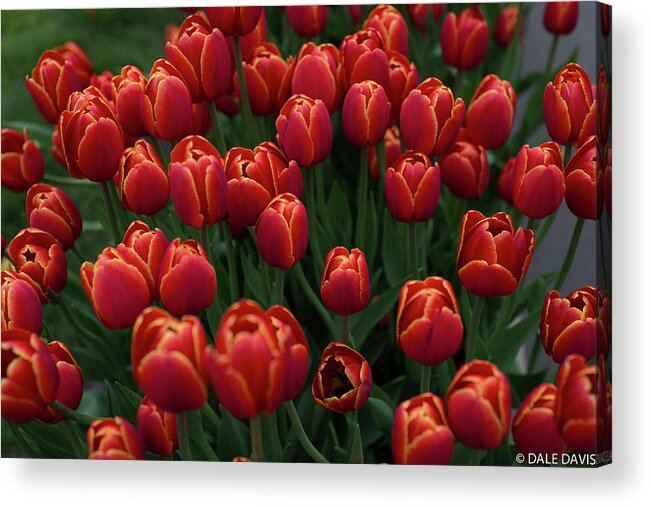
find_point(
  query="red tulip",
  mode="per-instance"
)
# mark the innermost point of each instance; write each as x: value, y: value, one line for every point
x: 149, y: 244
x: 534, y: 424
x: 21, y: 306
x: 392, y: 150
x: 158, y: 428
x: 365, y: 114
x: 51, y: 210
x: 464, y: 38
x: 268, y: 79
x: 343, y: 379
x: 412, y: 185
x: 57, y: 148
x: 355, y: 13
x: 604, y: 18
x: 492, y: 256
x: 419, y: 13
x: 198, y: 183
x: 39, y: 255
x: 187, y: 282
x: 201, y: 122
x: 114, y: 439
x: 318, y: 74
x: 363, y: 58
x: 560, y: 17
x: 569, y: 106
x: 421, y: 435
x: 255, y: 177
x: 144, y: 184
x: 234, y: 21
x: 130, y: 86
x: 91, y: 137
x: 478, y: 404
x: 430, y: 118
x: 608, y: 179
x: 202, y: 57
x: 30, y: 379
x: 429, y: 329
x: 403, y: 78
x: 603, y: 105
x: 391, y: 26
x: 304, y: 130
x: 465, y: 170
x: 251, y: 40
x: 505, y: 181
x: 538, y: 182
x: 505, y: 25
x: 58, y: 73
x: 490, y: 114
x: 345, y: 284
x: 119, y: 286
x: 258, y: 361
x: 167, y: 361
x: 71, y: 381
x: 307, y: 20
x: 281, y: 231
x: 584, y: 181
x: 167, y: 105
x: 22, y: 161
x: 103, y: 82
x: 579, y: 405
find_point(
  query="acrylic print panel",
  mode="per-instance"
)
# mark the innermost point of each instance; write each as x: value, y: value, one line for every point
x: 334, y: 234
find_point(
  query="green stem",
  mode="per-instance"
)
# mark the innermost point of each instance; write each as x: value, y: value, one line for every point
x: 474, y: 457
x: 184, y: 436
x: 530, y: 223
x: 204, y: 239
x: 110, y: 210
x: 154, y: 221
x: 256, y: 439
x: 381, y: 158
x: 75, y: 251
x: 425, y: 377
x: 300, y: 433
x: 345, y: 329
x: 278, y: 287
x: 473, y: 335
x: 320, y: 190
x: 219, y: 139
x: 73, y: 415
x: 120, y: 212
x: 316, y: 302
x: 547, y: 225
x: 230, y: 255
x: 413, y: 250
x: 550, y: 56
x: 535, y: 350
x: 567, y: 154
x: 458, y: 84
x: 65, y: 180
x: 244, y: 93
x: 362, y: 197
x: 571, y: 251
x: 315, y: 246
x: 74, y: 439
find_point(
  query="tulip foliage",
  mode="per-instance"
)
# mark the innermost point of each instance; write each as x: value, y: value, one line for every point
x: 308, y: 233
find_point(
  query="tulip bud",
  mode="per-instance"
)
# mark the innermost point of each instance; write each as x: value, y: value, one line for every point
x: 158, y: 428
x: 403, y: 78
x: 304, y: 130
x: 490, y: 114
x: 318, y: 74
x: 91, y: 137
x: 584, y: 186
x: 478, y: 404
x: 144, y: 185
x: 421, y: 435
x: 560, y: 17
x: 51, y: 210
x: 538, y: 182
x: 149, y: 244
x: 167, y: 105
x: 465, y: 170
x: 21, y: 306
x: 392, y: 150
x: 569, y: 106
x: 579, y: 405
x: 71, y: 382
x: 58, y: 73
x: 464, y: 38
x: 608, y: 179
x: 505, y: 25
x: 234, y: 21
x: 114, y: 439
x: 103, y: 83
x: 489, y: 266
x: 255, y: 177
x: 268, y: 79
x: 354, y: 13
x: 39, y: 255
x: 29, y: 376
x: 364, y: 59
x: 365, y: 114
x: 429, y: 329
x: 345, y: 284
x: 430, y: 118
x: 250, y: 41
x: 307, y: 20
x: 391, y: 26
x: 202, y: 58
x: 343, y: 379
x: 130, y: 88
x: 198, y: 182
x: 167, y: 361
x: 281, y: 231
x: 412, y: 186
x: 534, y: 424
x: 505, y: 181
x: 419, y: 13
x: 22, y: 161
x: 119, y: 286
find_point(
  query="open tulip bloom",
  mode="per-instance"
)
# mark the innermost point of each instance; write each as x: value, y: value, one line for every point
x: 312, y: 233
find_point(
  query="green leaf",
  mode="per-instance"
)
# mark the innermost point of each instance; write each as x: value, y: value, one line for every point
x: 131, y: 399
x: 338, y: 218
x: 253, y: 279
x: 374, y: 312
x: 233, y: 437
x: 370, y: 231
x: 198, y: 441
x: 394, y: 250
x: 507, y: 346
x: 356, y: 450
x: 382, y: 414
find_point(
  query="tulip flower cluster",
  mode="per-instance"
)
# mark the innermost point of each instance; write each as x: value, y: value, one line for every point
x: 308, y: 233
